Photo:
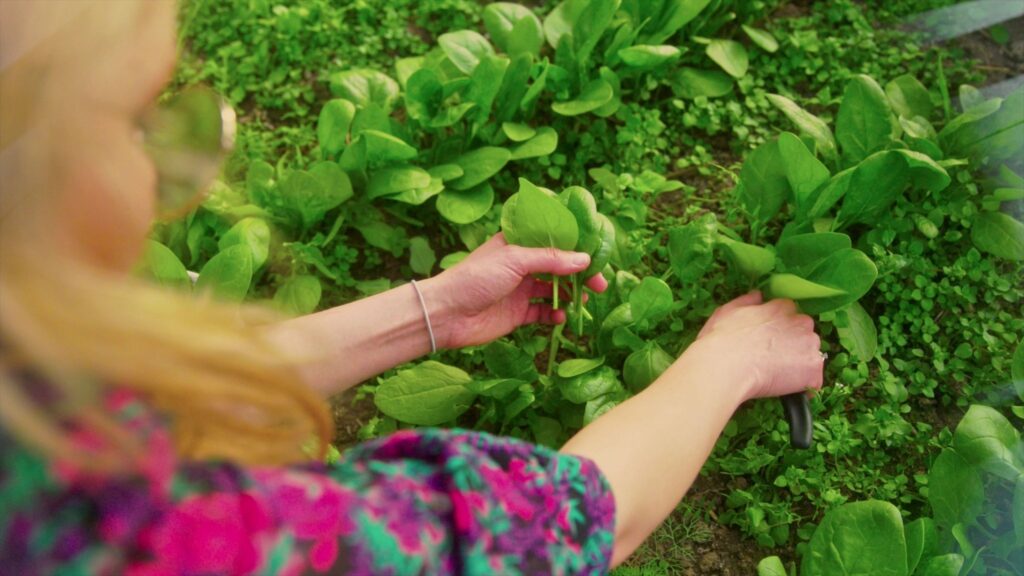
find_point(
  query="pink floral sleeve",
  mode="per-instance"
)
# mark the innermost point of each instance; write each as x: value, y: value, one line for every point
x: 426, y: 501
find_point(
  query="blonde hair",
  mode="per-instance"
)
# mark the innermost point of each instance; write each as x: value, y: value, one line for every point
x: 87, y: 328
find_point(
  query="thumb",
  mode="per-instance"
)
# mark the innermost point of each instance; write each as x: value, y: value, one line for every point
x: 526, y: 261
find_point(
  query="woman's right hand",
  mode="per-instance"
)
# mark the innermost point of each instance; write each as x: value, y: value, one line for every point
x: 769, y: 347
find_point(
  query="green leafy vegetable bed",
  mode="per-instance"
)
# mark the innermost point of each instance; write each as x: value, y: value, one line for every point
x: 700, y: 149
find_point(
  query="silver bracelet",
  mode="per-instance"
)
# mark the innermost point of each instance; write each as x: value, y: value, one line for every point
x: 426, y: 317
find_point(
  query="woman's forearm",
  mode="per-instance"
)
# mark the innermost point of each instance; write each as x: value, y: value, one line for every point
x: 346, y: 345
x: 651, y: 447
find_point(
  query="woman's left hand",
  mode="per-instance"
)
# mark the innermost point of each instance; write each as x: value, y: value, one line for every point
x: 494, y: 290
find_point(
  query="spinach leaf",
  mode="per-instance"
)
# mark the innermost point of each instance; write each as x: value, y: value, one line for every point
x: 253, y: 233
x: 578, y: 366
x: 643, y: 56
x: 421, y: 256
x: 299, y: 295
x: 650, y: 302
x: 594, y: 95
x: 865, y: 123
x: 395, y: 179
x: 763, y: 186
x: 999, y: 234
x: 644, y: 366
x: 955, y: 491
x: 364, y: 86
x: 587, y: 386
x: 466, y: 206
x: 465, y: 48
x: 429, y: 394
x: 858, y: 538
x: 228, y: 274
x: 762, y: 38
x: 508, y: 361
x: 804, y: 173
x: 986, y: 439
x: 730, y: 55
x: 534, y: 219
x: 691, y: 248
x: 808, y: 123
x: 693, y: 83
x: 479, y: 165
x: 514, y: 28
x: 160, y: 264
x: 908, y: 97
x: 753, y: 261
x: 542, y: 144
x: 857, y: 332
x: 333, y: 124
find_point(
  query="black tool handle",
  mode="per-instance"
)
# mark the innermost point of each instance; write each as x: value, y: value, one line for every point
x: 798, y: 414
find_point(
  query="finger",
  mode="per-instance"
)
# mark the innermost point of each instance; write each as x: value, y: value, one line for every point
x: 598, y: 283
x: 781, y: 307
x: 803, y: 323
x: 749, y: 299
x: 544, y: 314
x: 546, y: 261
x: 539, y: 288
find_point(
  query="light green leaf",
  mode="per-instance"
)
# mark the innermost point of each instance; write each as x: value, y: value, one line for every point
x: 857, y: 332
x: 299, y: 295
x: 752, y: 261
x: 588, y: 386
x: 465, y: 48
x: 804, y: 172
x: 417, y: 196
x: 364, y: 86
x: 944, y: 565
x: 796, y: 288
x: 594, y: 95
x: 865, y: 123
x: 1017, y: 369
x: 534, y: 219
x: 228, y: 274
x: 875, y: 184
x: 771, y: 566
x: 395, y: 179
x: 333, y: 124
x: 518, y: 132
x: 763, y: 186
x: 544, y: 143
x: 730, y: 55
x: 466, y: 206
x: 808, y: 124
x: 423, y: 95
x: 479, y: 165
x: 986, y: 439
x: 762, y: 38
x: 908, y: 97
x: 644, y: 56
x: 421, y: 256
x: 674, y: 16
x: 922, y: 540
x: 645, y: 366
x: 159, y: 263
x: 692, y: 83
x: 848, y: 270
x: 955, y: 491
x: 801, y: 253
x: 577, y: 366
x: 428, y: 394
x: 691, y: 248
x: 514, y: 28
x: 651, y: 301
x: 506, y: 360
x: 253, y: 233
x: 858, y: 538
x: 999, y: 234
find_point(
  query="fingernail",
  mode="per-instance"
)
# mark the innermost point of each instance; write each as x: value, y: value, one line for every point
x: 581, y: 259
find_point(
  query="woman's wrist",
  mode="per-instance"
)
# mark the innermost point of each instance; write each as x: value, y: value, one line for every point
x: 702, y: 363
x: 439, y: 308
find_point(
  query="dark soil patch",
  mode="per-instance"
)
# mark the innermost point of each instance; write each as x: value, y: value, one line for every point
x: 350, y: 415
x: 997, y: 61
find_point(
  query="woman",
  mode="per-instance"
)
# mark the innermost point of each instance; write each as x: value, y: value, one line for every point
x: 144, y: 432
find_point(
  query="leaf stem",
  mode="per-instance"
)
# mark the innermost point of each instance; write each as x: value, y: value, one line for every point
x: 554, y: 294
x: 556, y: 338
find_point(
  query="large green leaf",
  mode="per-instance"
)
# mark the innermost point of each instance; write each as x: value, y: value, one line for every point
x: 159, y: 263
x: 395, y: 179
x: 543, y: 143
x: 865, y: 123
x: 691, y: 248
x: 645, y: 366
x: 762, y: 38
x: 804, y: 172
x: 364, y: 86
x: 801, y: 253
x: 848, y: 270
x: 674, y: 15
x: 752, y: 261
x: 808, y: 123
x: 228, y: 274
x: 771, y: 566
x: 479, y: 165
x: 484, y: 85
x: 465, y: 48
x: 908, y: 97
x: 955, y: 491
x: 763, y: 187
x: 534, y: 219
x: 692, y: 83
x: 796, y: 288
x: 730, y: 55
x: 299, y: 295
x: 254, y: 233
x: 513, y: 28
x: 589, y: 385
x: 857, y: 332
x: 986, y: 439
x: 423, y: 95
x: 643, y: 56
x: 925, y: 173
x: 428, y: 394
x: 506, y: 360
x: 876, y: 183
x: 999, y: 234
x: 650, y: 302
x: 466, y: 206
x: 922, y: 539
x: 590, y: 27
x: 578, y: 366
x: 858, y: 539
x: 594, y: 95
x: 1017, y: 369
x: 333, y: 124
